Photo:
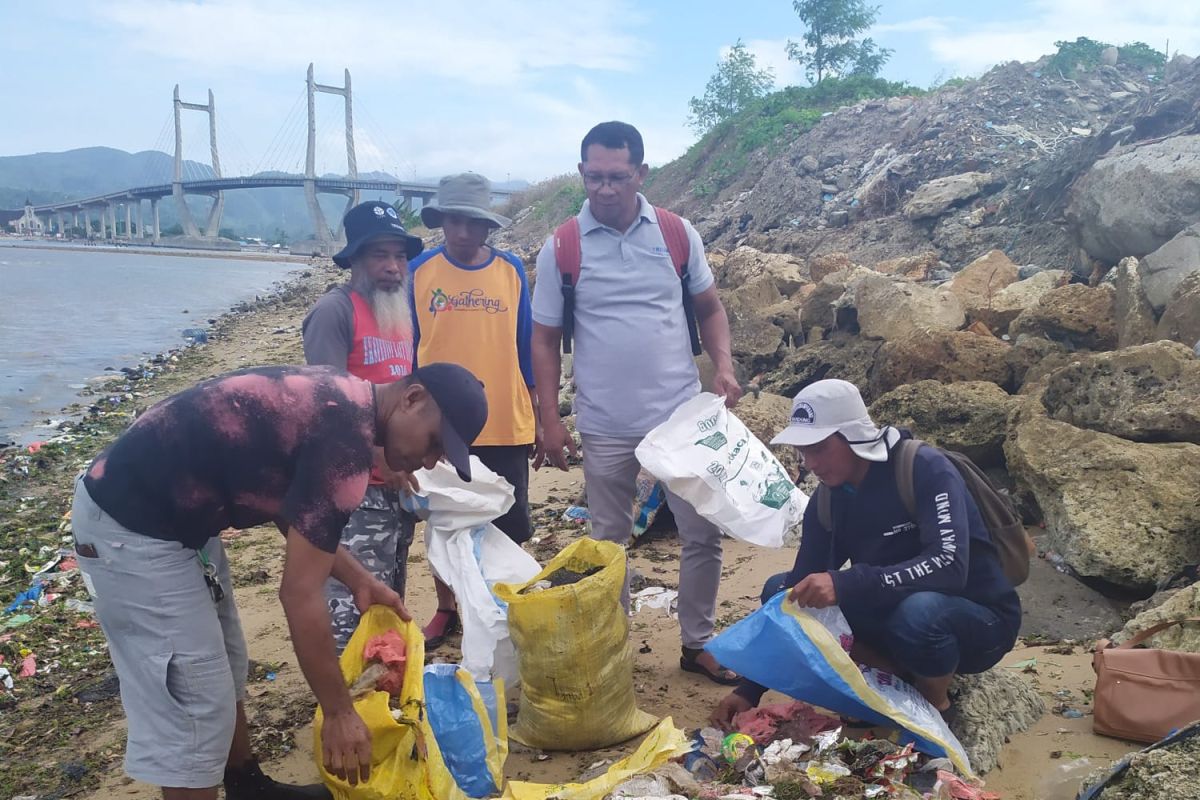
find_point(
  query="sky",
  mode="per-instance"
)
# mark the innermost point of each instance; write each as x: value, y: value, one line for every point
x: 502, y: 87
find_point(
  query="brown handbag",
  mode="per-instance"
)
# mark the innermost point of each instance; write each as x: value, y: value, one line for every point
x: 1144, y: 694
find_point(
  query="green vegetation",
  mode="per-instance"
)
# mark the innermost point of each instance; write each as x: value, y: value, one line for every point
x: 1085, y: 54
x: 770, y: 122
x: 408, y: 218
x: 553, y: 199
x: 828, y: 48
x: 736, y: 84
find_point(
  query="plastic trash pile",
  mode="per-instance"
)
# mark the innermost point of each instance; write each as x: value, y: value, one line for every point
x: 792, y: 750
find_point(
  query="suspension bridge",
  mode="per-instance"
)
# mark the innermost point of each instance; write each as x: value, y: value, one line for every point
x: 99, y: 215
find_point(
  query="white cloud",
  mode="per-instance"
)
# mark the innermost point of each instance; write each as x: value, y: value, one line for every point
x: 493, y: 44
x: 773, y: 53
x: 967, y: 48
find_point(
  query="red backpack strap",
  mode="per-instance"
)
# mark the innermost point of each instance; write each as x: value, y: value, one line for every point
x: 568, y: 257
x: 679, y: 247
x: 676, y: 238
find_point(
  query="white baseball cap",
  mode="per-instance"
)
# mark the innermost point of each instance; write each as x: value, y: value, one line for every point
x: 831, y: 406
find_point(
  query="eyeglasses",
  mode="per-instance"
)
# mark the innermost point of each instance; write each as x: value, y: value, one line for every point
x: 594, y: 181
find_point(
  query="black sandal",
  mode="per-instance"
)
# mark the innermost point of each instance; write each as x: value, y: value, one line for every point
x: 452, y: 626
x: 688, y: 663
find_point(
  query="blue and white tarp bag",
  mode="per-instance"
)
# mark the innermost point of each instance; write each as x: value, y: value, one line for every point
x: 470, y: 724
x: 802, y: 652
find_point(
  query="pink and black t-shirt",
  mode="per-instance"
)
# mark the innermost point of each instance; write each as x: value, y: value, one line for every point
x: 291, y: 445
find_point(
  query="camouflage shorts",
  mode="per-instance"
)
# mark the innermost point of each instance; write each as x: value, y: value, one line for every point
x: 378, y: 535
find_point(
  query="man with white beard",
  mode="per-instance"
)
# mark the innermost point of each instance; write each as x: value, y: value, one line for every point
x: 365, y: 327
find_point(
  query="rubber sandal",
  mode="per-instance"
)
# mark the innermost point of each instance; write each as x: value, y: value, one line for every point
x: 688, y: 663
x: 452, y: 626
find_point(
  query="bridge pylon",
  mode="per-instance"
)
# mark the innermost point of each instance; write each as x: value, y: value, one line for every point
x: 326, y: 237
x: 218, y: 206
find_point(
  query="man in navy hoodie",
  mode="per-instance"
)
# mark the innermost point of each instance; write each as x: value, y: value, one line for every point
x: 926, y: 598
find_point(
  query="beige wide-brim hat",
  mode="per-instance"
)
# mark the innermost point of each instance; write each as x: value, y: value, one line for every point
x: 468, y: 194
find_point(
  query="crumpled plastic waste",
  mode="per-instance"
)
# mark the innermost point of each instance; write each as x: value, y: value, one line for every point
x: 796, y: 719
x: 388, y: 649
x: 6, y: 679
x: 656, y: 597
x: 17, y: 620
x: 951, y: 787
x: 28, y: 667
x: 30, y: 596
x: 784, y: 750
x: 577, y: 514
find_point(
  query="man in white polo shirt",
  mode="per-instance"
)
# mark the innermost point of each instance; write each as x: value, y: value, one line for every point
x: 633, y: 361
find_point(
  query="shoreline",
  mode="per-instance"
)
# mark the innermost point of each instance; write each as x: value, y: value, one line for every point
x: 36, y: 489
x: 288, y: 258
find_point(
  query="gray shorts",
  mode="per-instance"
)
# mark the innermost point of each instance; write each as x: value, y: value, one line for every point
x: 181, y: 658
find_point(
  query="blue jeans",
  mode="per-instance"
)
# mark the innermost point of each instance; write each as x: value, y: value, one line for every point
x: 929, y: 634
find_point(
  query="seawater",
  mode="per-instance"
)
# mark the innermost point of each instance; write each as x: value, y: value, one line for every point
x: 67, y: 314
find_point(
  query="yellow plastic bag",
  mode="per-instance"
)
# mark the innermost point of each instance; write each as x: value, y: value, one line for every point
x: 406, y: 763
x: 664, y: 743
x: 573, y: 652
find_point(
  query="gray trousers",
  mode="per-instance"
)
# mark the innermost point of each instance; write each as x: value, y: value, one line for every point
x: 378, y: 535
x: 610, y: 471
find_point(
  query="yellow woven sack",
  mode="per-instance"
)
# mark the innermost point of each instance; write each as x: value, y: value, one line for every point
x: 406, y: 763
x: 573, y: 652
x: 660, y: 746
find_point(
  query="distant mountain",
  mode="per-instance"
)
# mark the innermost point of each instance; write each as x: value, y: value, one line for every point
x: 91, y: 171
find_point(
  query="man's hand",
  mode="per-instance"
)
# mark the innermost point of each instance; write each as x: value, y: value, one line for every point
x: 726, y: 385
x: 537, y: 450
x: 346, y: 746
x: 375, y: 592
x: 555, y: 440
x: 814, y: 591
x: 729, y: 707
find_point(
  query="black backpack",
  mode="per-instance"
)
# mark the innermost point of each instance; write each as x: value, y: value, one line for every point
x: 1012, y: 541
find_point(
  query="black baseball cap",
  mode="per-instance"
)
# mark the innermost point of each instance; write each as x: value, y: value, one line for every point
x: 459, y: 396
x: 373, y: 220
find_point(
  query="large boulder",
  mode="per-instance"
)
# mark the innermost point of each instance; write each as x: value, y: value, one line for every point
x: 1180, y: 321
x: 1183, y: 604
x: 913, y: 268
x: 827, y: 264
x: 970, y: 417
x: 947, y: 356
x: 1133, y: 202
x: 1006, y: 305
x: 1032, y: 359
x: 745, y: 264
x: 978, y: 284
x: 820, y: 309
x: 1124, y: 512
x: 841, y: 356
x: 992, y: 706
x: 1078, y: 316
x: 938, y: 196
x: 889, y: 309
x: 1135, y: 316
x: 1149, y: 393
x: 1164, y: 269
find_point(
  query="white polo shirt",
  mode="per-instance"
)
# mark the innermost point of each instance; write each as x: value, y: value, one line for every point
x: 633, y: 358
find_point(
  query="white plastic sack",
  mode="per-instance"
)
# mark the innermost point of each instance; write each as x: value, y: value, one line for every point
x: 471, y: 555
x: 708, y: 456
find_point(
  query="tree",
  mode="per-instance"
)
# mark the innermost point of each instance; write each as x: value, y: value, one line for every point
x: 828, y: 48
x: 737, y: 82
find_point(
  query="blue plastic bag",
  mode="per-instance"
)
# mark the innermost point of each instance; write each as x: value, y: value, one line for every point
x: 474, y: 754
x: 801, y: 652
